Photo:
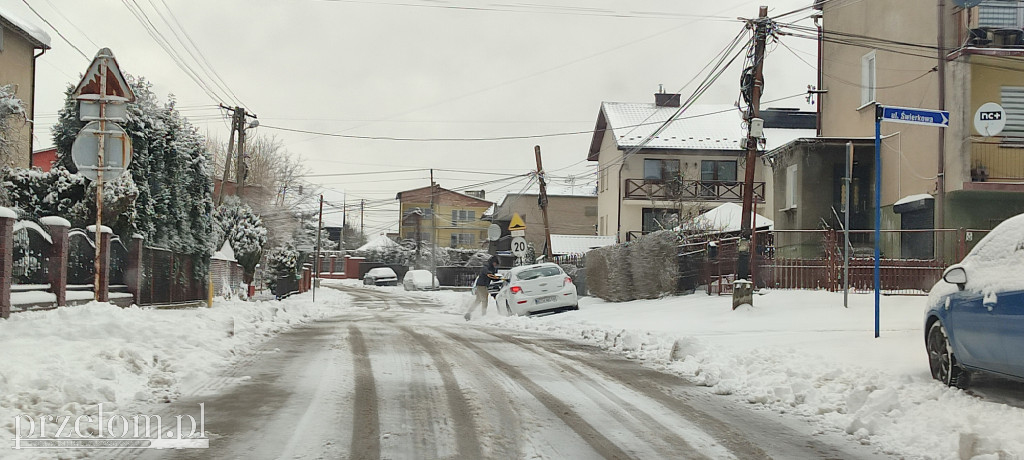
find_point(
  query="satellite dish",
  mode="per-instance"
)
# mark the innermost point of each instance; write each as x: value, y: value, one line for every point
x: 967, y: 3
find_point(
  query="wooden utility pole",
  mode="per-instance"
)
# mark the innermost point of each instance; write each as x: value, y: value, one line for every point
x: 362, y: 209
x: 240, y: 167
x: 316, y: 258
x: 543, y: 202
x: 433, y: 227
x: 760, y: 36
x: 231, y: 152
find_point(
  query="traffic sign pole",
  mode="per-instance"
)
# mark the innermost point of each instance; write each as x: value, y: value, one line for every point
x: 97, y: 263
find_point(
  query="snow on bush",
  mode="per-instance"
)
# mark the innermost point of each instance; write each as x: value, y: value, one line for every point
x: 68, y: 360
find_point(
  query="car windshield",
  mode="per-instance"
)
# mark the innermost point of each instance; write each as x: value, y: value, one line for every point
x: 539, y: 272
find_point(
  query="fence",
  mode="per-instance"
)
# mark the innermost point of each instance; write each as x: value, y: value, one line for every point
x: 49, y: 265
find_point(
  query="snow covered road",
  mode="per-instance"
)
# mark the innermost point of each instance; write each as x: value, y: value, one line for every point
x: 400, y: 377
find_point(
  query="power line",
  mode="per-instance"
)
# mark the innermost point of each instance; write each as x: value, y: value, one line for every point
x: 55, y: 29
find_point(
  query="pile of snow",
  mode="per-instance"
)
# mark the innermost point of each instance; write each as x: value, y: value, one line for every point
x: 380, y: 242
x: 68, y: 360
x: 802, y: 353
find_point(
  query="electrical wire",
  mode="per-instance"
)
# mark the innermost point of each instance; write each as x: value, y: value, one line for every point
x: 59, y: 34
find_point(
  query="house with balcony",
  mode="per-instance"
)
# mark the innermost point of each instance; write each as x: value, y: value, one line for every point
x: 649, y: 182
x: 955, y: 177
x: 19, y: 43
x: 443, y: 217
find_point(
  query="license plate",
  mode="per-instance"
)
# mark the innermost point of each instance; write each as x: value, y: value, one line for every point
x: 545, y: 299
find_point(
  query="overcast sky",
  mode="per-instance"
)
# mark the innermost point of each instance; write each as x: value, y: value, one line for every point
x: 415, y: 69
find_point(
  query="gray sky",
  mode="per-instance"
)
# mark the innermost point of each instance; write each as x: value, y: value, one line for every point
x: 417, y: 69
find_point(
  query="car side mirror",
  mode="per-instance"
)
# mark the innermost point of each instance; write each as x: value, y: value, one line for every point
x: 956, y: 275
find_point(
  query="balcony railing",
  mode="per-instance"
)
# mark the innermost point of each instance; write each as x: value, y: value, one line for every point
x: 997, y: 161
x: 690, y: 190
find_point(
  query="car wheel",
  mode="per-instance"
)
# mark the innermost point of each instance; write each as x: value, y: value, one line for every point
x: 941, y: 360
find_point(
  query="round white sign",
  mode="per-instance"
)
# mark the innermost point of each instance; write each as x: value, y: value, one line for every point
x: 117, y: 150
x: 493, y: 232
x: 990, y: 119
x: 519, y: 246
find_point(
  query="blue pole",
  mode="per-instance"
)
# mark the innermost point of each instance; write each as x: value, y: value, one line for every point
x: 878, y: 211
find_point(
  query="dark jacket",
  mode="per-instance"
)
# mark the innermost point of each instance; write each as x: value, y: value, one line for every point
x: 482, y: 279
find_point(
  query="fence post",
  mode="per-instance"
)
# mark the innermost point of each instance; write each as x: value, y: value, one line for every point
x: 57, y: 268
x: 104, y: 287
x: 133, y: 272
x: 334, y: 259
x: 7, y: 218
x: 961, y: 244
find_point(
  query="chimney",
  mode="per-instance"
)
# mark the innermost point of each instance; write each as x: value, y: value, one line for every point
x: 666, y: 99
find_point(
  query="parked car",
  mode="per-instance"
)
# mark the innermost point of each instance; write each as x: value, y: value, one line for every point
x: 973, y: 322
x: 381, y: 276
x: 537, y: 289
x: 420, y: 280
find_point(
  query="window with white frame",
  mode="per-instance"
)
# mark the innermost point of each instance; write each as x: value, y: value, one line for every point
x: 463, y: 215
x: 868, y: 83
x: 462, y: 239
x: 791, y: 187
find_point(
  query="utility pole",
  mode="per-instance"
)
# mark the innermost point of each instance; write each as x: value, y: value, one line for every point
x: 240, y: 166
x: 316, y: 258
x: 543, y: 202
x: 231, y: 152
x: 344, y: 217
x: 940, y: 182
x: 433, y: 227
x: 362, y: 209
x: 754, y: 123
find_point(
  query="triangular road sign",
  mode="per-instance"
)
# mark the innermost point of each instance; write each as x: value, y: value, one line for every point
x: 117, y: 88
x: 517, y: 223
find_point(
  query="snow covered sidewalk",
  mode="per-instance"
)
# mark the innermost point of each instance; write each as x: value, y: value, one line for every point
x: 68, y: 360
x: 802, y: 353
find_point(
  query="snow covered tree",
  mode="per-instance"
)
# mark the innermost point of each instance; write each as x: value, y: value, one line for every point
x: 10, y: 109
x: 239, y: 225
x: 282, y: 263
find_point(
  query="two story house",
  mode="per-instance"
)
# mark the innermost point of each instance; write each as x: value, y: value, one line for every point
x: 695, y: 163
x: 19, y: 41
x: 455, y: 220
x: 959, y: 178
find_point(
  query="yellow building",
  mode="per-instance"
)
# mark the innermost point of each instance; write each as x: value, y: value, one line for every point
x: 456, y: 217
x: 19, y: 41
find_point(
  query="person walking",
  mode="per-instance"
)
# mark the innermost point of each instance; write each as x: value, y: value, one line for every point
x: 487, y: 273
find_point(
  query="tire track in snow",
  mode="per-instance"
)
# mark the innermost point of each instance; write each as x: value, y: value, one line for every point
x: 673, y: 441
x: 467, y: 443
x: 365, y: 416
x: 563, y: 411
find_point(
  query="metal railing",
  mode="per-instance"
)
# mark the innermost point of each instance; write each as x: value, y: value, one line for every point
x: 997, y: 161
x: 689, y: 190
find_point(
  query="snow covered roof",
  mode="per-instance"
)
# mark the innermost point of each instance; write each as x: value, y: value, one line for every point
x: 699, y: 127
x: 37, y: 34
x: 727, y: 218
x: 578, y: 244
x: 913, y: 198
x: 380, y: 242
x: 225, y: 253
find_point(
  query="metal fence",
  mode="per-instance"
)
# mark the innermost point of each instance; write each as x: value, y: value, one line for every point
x: 168, y: 278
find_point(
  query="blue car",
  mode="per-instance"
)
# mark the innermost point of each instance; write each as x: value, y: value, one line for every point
x: 975, y: 318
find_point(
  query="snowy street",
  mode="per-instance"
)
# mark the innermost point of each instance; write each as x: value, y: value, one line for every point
x: 400, y: 377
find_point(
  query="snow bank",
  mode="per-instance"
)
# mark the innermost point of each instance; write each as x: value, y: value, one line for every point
x: 802, y: 353
x: 68, y: 360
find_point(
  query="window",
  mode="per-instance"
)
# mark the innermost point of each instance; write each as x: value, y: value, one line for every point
x: 462, y: 215
x: 655, y: 219
x: 602, y: 180
x: 660, y: 170
x: 724, y: 170
x: 867, y: 79
x: 790, y: 187
x: 590, y: 211
x: 462, y: 239
x: 1012, y: 100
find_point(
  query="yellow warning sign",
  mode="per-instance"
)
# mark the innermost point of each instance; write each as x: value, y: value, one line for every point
x: 517, y: 223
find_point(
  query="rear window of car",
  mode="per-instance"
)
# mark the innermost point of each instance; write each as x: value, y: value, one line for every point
x: 539, y: 272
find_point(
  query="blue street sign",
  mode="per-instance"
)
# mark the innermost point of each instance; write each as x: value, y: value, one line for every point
x: 915, y: 116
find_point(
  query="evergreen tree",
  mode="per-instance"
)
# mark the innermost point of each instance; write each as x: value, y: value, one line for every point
x: 244, y: 230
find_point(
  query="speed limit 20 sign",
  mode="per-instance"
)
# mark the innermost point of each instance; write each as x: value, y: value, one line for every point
x: 519, y: 246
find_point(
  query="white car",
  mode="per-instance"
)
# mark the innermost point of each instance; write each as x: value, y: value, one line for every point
x: 381, y: 276
x: 419, y: 280
x: 537, y: 288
